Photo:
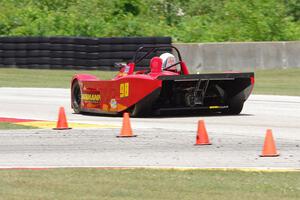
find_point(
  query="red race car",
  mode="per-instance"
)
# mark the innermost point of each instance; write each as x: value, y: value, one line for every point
x: 166, y: 86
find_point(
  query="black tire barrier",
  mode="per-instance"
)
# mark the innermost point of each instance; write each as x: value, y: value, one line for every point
x: 86, y: 41
x: 62, y: 54
x: 135, y: 40
x: 75, y: 52
x: 39, y: 60
x: 61, y: 40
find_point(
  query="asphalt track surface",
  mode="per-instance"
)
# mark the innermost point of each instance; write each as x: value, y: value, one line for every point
x: 162, y: 141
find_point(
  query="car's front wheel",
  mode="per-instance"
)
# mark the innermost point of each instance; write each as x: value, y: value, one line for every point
x: 76, y: 97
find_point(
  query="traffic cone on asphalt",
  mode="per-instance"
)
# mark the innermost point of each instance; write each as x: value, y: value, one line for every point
x: 62, y: 123
x: 126, y: 130
x: 269, y: 149
x: 202, y: 137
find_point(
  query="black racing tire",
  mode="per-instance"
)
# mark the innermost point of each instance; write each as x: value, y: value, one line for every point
x: 98, y: 62
x: 117, y: 47
x: 42, y: 53
x: 40, y: 40
x: 85, y: 41
x: 40, y: 46
x: 56, y: 61
x: 140, y: 111
x: 34, y: 53
x: 21, y: 61
x: 7, y: 40
x: 62, y: 54
x: 91, y: 48
x: 9, y: 61
x: 163, y: 40
x: 80, y: 55
x: 116, y: 55
x: 121, y: 40
x: 15, y: 39
x: 143, y: 108
x: 30, y: 46
x: 38, y: 60
x: 61, y: 40
x: 7, y: 46
x: 67, y: 61
x: 77, y: 47
x: 8, y: 54
x: 61, y: 47
x: 76, y: 97
x: 90, y: 56
x: 235, y: 107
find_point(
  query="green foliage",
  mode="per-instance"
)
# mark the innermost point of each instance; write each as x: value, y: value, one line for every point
x: 293, y: 8
x: 184, y: 20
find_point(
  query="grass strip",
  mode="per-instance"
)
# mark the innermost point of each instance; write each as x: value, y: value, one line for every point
x: 273, y: 81
x: 278, y: 82
x: 5, y: 125
x: 146, y: 184
x: 44, y: 78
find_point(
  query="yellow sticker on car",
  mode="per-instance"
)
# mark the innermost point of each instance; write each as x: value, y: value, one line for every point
x: 214, y: 107
x: 91, y: 97
x: 124, y: 90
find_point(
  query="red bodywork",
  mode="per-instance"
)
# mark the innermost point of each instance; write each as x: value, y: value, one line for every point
x: 142, y: 92
x: 123, y: 91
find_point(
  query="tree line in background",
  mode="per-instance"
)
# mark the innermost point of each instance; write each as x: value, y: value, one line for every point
x: 184, y: 20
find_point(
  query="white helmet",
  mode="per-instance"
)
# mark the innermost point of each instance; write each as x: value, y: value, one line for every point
x: 168, y: 60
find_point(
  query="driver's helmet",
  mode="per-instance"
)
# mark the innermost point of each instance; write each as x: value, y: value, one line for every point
x: 168, y: 60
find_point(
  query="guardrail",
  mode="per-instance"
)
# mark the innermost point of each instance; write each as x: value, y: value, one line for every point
x: 241, y: 56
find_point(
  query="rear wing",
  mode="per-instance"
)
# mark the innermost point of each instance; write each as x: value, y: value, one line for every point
x: 211, y: 76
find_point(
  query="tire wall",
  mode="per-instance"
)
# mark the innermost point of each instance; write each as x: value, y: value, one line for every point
x: 73, y: 52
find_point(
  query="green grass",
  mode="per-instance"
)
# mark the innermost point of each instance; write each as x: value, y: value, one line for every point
x: 275, y: 81
x: 12, y: 77
x: 141, y: 183
x: 278, y: 82
x: 5, y: 125
x: 148, y: 184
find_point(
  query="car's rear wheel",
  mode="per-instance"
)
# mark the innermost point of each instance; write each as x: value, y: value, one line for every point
x: 76, y: 97
x: 235, y: 107
x: 140, y: 110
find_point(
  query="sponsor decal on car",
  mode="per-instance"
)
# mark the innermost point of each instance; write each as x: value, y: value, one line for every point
x: 217, y: 107
x: 113, y: 103
x: 214, y: 107
x: 105, y: 107
x: 91, y: 97
x: 124, y: 90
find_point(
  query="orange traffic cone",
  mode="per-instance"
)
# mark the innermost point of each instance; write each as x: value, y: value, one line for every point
x: 62, y: 123
x: 126, y: 130
x: 202, y: 137
x: 269, y: 149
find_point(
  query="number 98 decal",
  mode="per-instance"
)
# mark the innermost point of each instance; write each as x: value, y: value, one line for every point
x: 124, y: 90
